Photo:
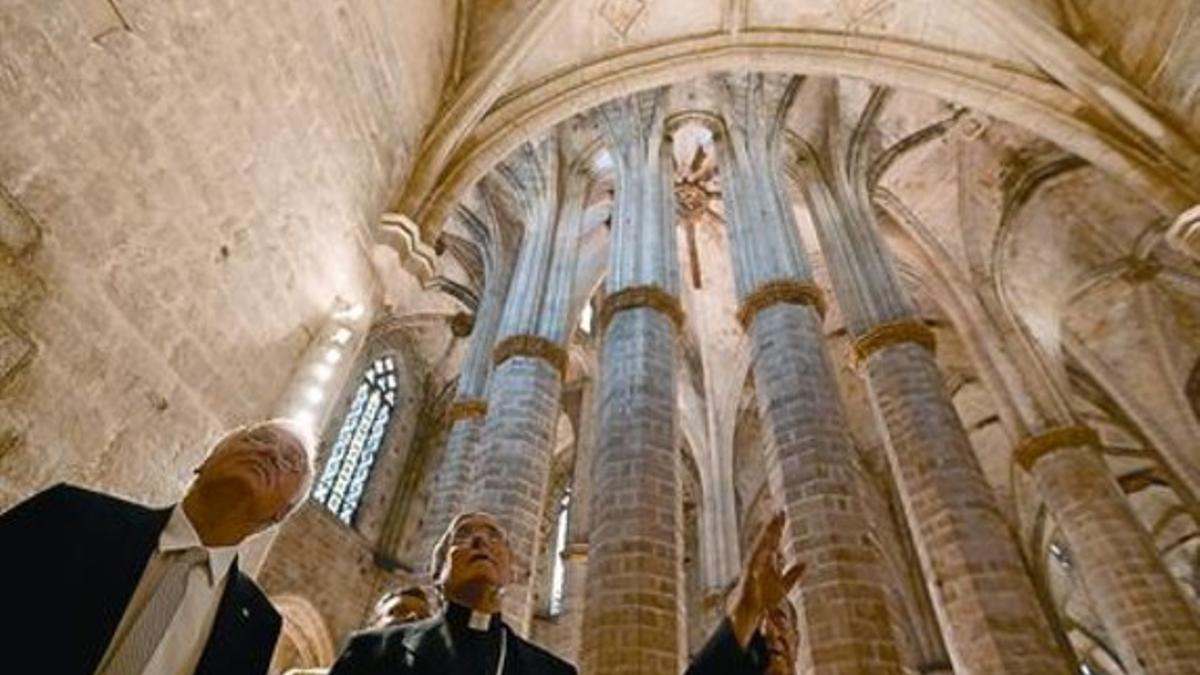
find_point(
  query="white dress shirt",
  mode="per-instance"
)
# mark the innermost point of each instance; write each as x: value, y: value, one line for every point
x: 183, y: 643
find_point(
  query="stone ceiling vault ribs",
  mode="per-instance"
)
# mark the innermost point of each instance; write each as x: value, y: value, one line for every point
x: 471, y: 102
x: 1124, y: 104
x: 1006, y: 93
x: 892, y: 154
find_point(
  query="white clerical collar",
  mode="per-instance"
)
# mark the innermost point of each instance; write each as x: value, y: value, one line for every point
x: 180, y: 535
x: 472, y: 619
x: 479, y: 621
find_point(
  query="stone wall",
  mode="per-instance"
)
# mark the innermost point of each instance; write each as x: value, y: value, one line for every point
x: 337, y: 572
x: 187, y: 187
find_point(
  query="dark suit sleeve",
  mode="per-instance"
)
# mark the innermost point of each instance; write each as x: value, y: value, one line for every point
x: 361, y: 656
x: 31, y: 536
x: 722, y: 655
x: 34, y: 555
x: 271, y: 629
x: 25, y: 523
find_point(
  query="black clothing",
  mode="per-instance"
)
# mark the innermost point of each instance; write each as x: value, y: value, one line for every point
x: 478, y: 649
x: 445, y: 645
x: 722, y: 655
x: 70, y: 560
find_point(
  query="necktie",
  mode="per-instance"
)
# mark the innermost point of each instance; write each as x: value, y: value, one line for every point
x: 147, y: 631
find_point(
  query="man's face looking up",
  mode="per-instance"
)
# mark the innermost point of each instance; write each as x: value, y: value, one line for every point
x: 478, y: 559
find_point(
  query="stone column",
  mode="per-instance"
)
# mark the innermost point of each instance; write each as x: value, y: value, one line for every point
x: 530, y: 360
x: 631, y: 613
x: 842, y: 601
x: 456, y: 474
x: 575, y: 555
x: 1154, y: 629
x: 982, y: 593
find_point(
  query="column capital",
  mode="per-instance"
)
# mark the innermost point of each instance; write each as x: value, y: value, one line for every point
x: 893, y: 333
x: 533, y: 346
x: 790, y: 291
x: 576, y: 551
x: 650, y: 297
x: 467, y: 408
x: 1037, y: 446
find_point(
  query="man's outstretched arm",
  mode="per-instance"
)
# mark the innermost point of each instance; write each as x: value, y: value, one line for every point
x: 736, y: 648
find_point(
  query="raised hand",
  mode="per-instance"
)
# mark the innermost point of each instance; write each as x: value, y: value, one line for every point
x: 763, y: 583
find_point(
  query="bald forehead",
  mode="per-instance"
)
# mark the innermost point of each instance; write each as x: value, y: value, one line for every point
x: 288, y: 445
x: 282, y: 432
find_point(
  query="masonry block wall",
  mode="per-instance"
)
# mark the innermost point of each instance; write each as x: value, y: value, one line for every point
x: 333, y: 553
x: 188, y: 187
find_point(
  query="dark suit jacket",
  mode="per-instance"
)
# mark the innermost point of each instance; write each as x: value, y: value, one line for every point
x: 70, y: 560
x: 722, y: 655
x: 424, y: 648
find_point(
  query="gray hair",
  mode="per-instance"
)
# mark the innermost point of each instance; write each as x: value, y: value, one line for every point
x: 302, y: 435
x: 308, y: 443
x: 441, y: 550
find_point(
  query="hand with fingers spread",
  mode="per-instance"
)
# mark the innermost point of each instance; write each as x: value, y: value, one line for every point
x: 763, y: 584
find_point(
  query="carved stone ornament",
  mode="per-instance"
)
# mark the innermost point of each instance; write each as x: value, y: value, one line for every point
x: 533, y: 346
x: 650, y: 297
x: 1036, y: 447
x: 790, y: 291
x: 893, y: 333
x: 467, y: 408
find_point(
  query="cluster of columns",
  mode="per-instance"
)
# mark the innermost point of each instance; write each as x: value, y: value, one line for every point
x: 456, y: 473
x: 627, y: 527
x: 500, y: 445
x: 530, y: 359
x: 842, y: 598
x: 989, y: 613
x: 980, y: 586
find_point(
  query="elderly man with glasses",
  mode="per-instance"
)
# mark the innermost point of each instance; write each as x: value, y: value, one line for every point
x: 98, y: 585
x: 471, y: 565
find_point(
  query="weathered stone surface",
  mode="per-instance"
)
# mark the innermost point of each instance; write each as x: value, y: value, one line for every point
x: 1151, y: 624
x: 320, y: 547
x: 842, y: 602
x: 187, y: 190
x: 634, y: 544
x: 514, y: 465
x: 989, y: 613
x: 204, y: 179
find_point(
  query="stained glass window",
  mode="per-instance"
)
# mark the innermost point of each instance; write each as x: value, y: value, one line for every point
x: 341, y: 485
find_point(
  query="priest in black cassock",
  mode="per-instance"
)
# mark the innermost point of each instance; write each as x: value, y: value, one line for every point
x: 471, y: 563
x: 758, y: 635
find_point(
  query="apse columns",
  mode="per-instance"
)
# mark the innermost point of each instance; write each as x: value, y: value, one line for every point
x: 843, y: 602
x: 456, y: 473
x: 631, y: 613
x: 1154, y: 629
x: 988, y: 610
x: 529, y: 358
x: 1151, y: 625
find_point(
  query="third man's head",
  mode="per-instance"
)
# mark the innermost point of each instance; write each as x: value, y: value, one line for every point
x: 472, y: 562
